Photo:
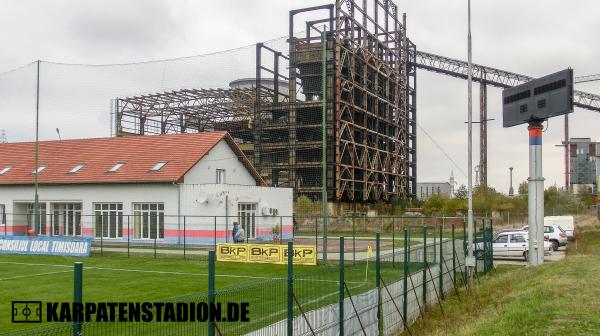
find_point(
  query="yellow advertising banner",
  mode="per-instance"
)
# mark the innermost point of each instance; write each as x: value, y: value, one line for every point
x: 266, y: 253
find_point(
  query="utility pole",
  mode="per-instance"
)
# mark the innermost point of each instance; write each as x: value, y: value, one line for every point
x: 36, y: 202
x: 470, y: 261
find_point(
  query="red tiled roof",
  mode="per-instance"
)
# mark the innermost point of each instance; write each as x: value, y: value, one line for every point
x: 139, y: 153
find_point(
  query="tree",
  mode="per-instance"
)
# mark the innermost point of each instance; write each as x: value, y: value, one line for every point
x: 523, y: 187
x: 461, y: 192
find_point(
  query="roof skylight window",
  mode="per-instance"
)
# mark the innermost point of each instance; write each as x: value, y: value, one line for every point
x: 158, y: 166
x: 116, y: 167
x: 39, y: 169
x: 76, y: 168
x: 5, y: 170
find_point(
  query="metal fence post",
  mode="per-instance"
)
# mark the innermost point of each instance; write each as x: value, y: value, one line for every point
x: 434, y: 240
x: 393, y: 242
x: 406, y: 270
x: 425, y: 266
x: 184, y: 237
x: 453, y: 256
x: 378, y: 283
x: 101, y: 235
x: 441, y: 286
x: 354, y: 239
x: 127, y: 236
x: 215, y: 232
x: 290, y: 289
x: 77, y: 295
x: 281, y: 229
x: 211, y: 290
x: 341, y: 289
x: 155, y: 244
x: 317, y: 234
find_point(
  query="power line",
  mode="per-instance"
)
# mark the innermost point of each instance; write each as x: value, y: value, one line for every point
x: 442, y: 150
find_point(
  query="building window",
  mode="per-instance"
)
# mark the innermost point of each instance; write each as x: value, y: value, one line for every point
x: 116, y: 167
x: 2, y: 214
x: 5, y: 170
x: 39, y: 228
x: 221, y: 176
x: 76, y: 168
x: 158, y: 166
x: 109, y: 220
x: 247, y: 218
x: 149, y: 220
x: 66, y: 219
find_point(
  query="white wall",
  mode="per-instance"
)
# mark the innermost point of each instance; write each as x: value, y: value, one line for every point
x: 220, y: 157
x: 222, y: 200
x: 87, y: 194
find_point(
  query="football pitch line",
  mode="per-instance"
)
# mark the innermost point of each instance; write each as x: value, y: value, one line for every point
x: 154, y: 272
x: 32, y: 275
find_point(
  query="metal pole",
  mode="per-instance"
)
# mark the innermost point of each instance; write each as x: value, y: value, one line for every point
x: 127, y: 236
x: 406, y: 270
x: 378, y: 283
x: 453, y: 255
x: 317, y: 233
x: 535, y: 195
x: 36, y: 204
x: 211, y: 289
x: 324, y: 208
x: 215, y: 232
x: 354, y: 240
x: 77, y: 294
x: 393, y: 242
x: 441, y: 286
x: 184, y: 234
x: 226, y: 219
x: 290, y: 289
x: 425, y: 266
x: 470, y: 260
x: 341, y: 289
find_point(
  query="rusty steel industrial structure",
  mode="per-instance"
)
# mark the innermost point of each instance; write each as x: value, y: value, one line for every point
x: 371, y: 66
x: 371, y: 106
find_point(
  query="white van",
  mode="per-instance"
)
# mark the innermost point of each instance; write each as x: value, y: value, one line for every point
x: 567, y: 223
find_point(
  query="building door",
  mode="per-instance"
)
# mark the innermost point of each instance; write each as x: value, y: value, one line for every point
x: 247, y: 218
x: 39, y: 227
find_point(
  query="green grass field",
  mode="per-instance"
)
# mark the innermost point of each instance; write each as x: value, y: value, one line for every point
x: 556, y: 298
x: 114, y: 278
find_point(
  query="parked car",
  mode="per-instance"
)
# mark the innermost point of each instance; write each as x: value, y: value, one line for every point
x: 556, y: 235
x: 565, y: 222
x: 513, y: 244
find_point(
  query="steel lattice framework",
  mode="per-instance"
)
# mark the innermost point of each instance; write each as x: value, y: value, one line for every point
x: 493, y: 76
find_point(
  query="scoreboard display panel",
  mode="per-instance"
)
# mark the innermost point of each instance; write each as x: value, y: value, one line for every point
x: 539, y: 99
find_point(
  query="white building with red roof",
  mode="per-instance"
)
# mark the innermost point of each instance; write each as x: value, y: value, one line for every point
x: 140, y: 188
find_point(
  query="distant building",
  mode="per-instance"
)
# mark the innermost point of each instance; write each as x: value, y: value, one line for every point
x: 139, y: 188
x: 584, y: 164
x: 428, y: 189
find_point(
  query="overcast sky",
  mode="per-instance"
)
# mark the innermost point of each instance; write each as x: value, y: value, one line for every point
x: 533, y: 37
